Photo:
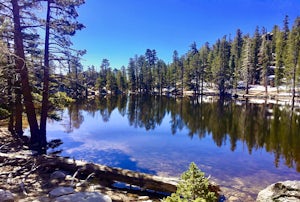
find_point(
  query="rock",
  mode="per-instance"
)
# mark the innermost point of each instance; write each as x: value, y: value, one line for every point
x: 287, y: 191
x: 234, y: 199
x: 144, y: 198
x: 60, y: 191
x: 84, y: 197
x: 58, y: 175
x: 6, y: 196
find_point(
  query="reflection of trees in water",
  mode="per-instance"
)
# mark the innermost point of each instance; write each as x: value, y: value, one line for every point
x: 268, y: 126
x: 146, y: 111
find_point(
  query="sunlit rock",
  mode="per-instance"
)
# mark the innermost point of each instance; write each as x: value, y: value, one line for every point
x: 60, y: 191
x: 6, y: 196
x: 287, y: 191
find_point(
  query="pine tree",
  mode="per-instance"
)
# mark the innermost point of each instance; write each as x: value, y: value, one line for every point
x: 60, y: 23
x: 255, y: 47
x: 175, y: 69
x: 204, y: 63
x: 132, y: 75
x: 194, y: 187
x: 221, y: 71
x: 279, y: 59
x: 293, y: 56
x: 236, y: 58
x: 247, y: 65
x: 265, y: 58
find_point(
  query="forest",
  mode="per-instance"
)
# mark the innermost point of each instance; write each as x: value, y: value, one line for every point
x: 39, y: 68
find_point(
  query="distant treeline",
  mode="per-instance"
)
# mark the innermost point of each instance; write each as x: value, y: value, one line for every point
x: 266, y: 58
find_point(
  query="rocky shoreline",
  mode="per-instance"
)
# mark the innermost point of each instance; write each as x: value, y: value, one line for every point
x: 23, y: 179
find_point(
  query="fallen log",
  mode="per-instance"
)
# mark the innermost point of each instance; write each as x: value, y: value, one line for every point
x: 106, y: 173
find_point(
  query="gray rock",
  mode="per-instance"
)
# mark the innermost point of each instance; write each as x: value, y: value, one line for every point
x: 58, y: 175
x: 287, y: 191
x: 84, y: 197
x: 6, y: 196
x: 60, y: 191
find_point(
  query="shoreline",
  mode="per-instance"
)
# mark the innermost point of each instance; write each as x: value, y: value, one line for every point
x: 21, y: 174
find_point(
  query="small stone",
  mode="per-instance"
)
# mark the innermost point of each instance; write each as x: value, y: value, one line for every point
x: 60, y: 191
x: 234, y: 199
x: 6, y: 196
x: 84, y: 197
x: 58, y: 175
x: 143, y: 197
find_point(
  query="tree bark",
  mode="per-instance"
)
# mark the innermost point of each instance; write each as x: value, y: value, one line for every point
x: 45, y: 102
x: 18, y: 128
x: 11, y: 124
x: 22, y: 68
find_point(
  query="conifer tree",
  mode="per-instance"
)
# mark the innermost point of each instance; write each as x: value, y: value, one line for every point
x: 221, y: 69
x: 236, y: 58
x: 265, y: 58
x: 175, y: 69
x: 247, y: 65
x: 255, y: 47
x: 204, y: 64
x: 193, y: 187
x: 293, y: 56
x: 278, y: 49
x: 132, y: 75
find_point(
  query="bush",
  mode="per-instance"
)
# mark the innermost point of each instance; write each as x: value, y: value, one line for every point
x: 193, y: 187
x: 4, y: 113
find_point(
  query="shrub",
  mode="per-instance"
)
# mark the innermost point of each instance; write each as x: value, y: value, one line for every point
x: 4, y: 113
x: 192, y: 187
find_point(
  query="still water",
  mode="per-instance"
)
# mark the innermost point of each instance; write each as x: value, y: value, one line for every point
x: 243, y: 146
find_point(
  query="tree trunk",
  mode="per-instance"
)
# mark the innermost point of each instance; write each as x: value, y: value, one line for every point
x: 11, y: 126
x: 45, y: 102
x: 248, y: 78
x: 22, y: 68
x: 18, y: 109
x: 266, y: 83
x: 294, y: 83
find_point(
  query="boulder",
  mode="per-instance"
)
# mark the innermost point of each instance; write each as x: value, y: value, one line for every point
x: 84, y: 197
x: 58, y: 175
x: 60, y: 191
x: 287, y: 191
x: 6, y: 196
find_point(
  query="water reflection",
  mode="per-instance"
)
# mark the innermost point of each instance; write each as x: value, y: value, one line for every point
x: 265, y: 126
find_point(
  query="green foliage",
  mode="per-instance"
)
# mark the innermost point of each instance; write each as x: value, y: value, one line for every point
x: 192, y: 187
x: 4, y: 113
x: 37, y: 97
x: 60, y: 99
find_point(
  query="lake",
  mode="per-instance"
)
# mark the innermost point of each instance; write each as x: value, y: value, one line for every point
x: 243, y: 146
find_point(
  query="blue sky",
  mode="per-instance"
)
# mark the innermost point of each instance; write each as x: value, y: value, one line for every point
x: 119, y: 29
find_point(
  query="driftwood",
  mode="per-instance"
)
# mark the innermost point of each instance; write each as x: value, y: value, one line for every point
x: 109, y: 174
